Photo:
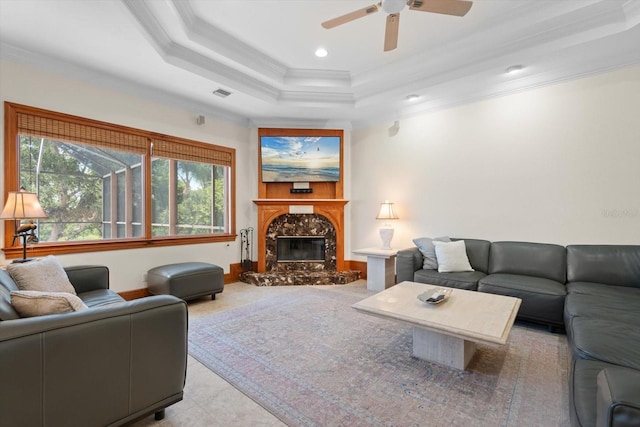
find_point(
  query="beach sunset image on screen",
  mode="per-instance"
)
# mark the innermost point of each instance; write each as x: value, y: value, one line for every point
x: 300, y: 158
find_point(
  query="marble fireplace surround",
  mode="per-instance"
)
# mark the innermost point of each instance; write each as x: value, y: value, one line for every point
x: 307, y: 217
x: 291, y: 225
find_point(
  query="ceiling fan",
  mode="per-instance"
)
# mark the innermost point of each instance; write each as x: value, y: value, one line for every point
x: 394, y: 7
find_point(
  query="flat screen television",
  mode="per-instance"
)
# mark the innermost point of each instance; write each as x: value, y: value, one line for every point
x: 300, y: 158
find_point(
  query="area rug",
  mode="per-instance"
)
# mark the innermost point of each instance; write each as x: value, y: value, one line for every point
x: 312, y: 360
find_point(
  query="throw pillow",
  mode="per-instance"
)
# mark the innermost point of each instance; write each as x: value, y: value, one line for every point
x: 428, y: 251
x: 452, y: 257
x: 45, y: 275
x: 36, y: 303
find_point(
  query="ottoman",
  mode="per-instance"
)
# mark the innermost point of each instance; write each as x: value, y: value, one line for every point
x: 187, y: 280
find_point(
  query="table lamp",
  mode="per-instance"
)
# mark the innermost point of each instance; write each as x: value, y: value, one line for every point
x: 386, y: 214
x: 23, y: 205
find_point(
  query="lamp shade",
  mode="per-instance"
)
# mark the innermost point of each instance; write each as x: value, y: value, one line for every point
x: 22, y: 205
x: 386, y: 211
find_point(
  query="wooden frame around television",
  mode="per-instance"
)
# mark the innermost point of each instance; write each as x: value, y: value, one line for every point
x: 320, y: 190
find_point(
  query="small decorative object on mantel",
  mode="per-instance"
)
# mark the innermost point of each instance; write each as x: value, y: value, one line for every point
x: 23, y: 205
x: 300, y: 187
x: 386, y: 214
x: 301, y: 190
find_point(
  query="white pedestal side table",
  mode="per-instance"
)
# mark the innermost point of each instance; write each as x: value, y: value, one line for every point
x: 381, y: 267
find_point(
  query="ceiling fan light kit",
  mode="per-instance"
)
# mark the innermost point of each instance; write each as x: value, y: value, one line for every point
x: 393, y: 6
x: 393, y: 9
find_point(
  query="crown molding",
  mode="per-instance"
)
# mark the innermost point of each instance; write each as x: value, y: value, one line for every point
x: 298, y: 123
x: 316, y: 99
x: 216, y: 40
x: 188, y: 59
x: 632, y: 11
x: 320, y: 78
x: 99, y: 78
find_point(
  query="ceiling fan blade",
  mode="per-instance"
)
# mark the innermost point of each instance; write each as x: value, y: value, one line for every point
x: 446, y: 7
x: 391, y: 32
x: 360, y: 13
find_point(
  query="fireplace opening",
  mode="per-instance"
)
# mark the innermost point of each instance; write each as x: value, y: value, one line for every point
x: 300, y: 248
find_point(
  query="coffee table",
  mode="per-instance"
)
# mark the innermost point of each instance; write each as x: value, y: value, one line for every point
x: 446, y: 333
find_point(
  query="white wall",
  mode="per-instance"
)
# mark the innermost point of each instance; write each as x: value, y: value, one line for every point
x: 558, y: 164
x: 26, y: 85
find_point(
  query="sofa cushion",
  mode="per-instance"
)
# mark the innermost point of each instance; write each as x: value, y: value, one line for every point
x: 36, y: 303
x: 452, y: 257
x: 623, y: 310
x: 605, y: 340
x: 428, y: 251
x: 529, y: 259
x: 100, y: 297
x: 464, y: 280
x: 542, y: 299
x: 617, y: 265
x: 44, y: 274
x: 602, y: 290
x: 478, y: 253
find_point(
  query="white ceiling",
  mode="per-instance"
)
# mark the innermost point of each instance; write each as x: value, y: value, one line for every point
x: 262, y: 51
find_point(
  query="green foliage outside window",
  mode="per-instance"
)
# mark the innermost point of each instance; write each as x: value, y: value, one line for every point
x: 74, y: 186
x: 68, y: 189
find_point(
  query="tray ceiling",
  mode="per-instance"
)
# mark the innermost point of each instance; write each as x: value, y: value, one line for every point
x: 262, y: 51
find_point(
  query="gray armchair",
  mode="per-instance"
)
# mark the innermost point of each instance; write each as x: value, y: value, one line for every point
x: 109, y: 365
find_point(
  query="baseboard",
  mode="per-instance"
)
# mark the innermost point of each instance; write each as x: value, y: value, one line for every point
x: 357, y: 265
x: 134, y: 294
x: 235, y: 270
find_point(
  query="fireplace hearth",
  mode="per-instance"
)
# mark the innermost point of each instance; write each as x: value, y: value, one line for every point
x: 291, y: 278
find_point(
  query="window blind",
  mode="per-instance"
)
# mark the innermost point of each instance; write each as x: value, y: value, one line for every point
x: 60, y: 130
x: 201, y: 153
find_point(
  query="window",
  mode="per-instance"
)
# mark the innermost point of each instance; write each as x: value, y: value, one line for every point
x: 184, y: 198
x: 105, y: 186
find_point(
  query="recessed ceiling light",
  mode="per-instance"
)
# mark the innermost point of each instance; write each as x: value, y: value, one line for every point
x: 413, y: 97
x: 321, y: 52
x: 514, y: 69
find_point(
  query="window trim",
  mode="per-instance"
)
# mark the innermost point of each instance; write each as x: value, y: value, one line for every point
x: 12, y: 179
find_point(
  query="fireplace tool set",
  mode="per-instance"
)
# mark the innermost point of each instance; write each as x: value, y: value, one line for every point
x: 246, y: 239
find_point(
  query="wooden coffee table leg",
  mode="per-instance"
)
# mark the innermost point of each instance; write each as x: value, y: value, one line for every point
x: 440, y: 348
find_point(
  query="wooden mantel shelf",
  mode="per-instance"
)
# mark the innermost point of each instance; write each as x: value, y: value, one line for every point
x: 338, y: 202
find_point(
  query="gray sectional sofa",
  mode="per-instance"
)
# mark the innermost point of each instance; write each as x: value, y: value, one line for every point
x: 592, y: 291
x: 602, y: 320
x: 107, y: 365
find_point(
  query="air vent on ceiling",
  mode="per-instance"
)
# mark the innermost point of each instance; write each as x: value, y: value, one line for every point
x: 221, y: 93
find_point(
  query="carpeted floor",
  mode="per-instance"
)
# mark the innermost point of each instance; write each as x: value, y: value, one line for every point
x: 312, y: 360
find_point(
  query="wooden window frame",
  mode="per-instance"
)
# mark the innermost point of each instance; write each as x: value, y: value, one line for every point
x: 221, y: 155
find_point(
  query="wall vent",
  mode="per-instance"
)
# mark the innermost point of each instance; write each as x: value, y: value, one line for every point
x: 221, y: 93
